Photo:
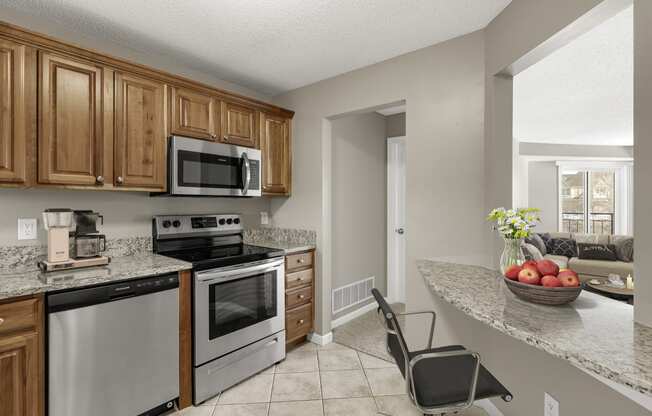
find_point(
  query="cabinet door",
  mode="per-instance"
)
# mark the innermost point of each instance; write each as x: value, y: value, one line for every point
x: 276, y: 154
x: 70, y: 147
x: 239, y: 125
x: 19, y: 379
x: 140, y: 134
x: 13, y: 112
x: 194, y: 114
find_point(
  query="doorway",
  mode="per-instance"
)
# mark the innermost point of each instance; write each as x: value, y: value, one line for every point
x: 396, y: 162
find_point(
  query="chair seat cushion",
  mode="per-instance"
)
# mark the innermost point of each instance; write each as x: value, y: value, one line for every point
x: 442, y: 381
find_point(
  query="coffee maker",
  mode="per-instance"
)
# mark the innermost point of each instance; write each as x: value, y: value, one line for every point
x: 87, y: 244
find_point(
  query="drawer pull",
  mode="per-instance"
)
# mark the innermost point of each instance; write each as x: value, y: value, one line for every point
x: 301, y: 296
x: 301, y: 261
x: 2, y: 321
x: 300, y: 279
x: 301, y: 321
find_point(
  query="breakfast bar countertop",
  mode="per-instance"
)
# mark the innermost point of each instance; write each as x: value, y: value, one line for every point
x: 593, y: 333
x: 15, y: 282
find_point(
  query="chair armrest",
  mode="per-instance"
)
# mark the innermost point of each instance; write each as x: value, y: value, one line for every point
x: 446, y: 354
x: 432, y: 322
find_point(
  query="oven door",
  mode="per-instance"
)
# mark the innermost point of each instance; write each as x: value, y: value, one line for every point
x: 236, y: 306
x: 202, y: 168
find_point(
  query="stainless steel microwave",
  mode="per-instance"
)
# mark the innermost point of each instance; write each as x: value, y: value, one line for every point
x: 203, y: 168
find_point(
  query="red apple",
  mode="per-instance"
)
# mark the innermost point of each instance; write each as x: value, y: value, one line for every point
x: 529, y: 276
x: 546, y: 266
x: 530, y: 264
x: 550, y: 281
x: 569, y: 278
x: 512, y: 272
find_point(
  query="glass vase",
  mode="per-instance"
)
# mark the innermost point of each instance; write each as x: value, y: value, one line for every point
x: 512, y: 253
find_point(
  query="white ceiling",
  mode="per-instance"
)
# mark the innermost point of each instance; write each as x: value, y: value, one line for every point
x: 582, y: 93
x: 270, y: 46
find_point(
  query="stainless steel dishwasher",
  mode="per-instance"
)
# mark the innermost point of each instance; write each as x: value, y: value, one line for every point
x: 113, y: 350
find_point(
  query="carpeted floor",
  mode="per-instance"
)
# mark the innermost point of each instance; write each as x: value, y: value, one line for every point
x: 365, y: 333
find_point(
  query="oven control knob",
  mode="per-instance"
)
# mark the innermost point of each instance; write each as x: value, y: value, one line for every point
x: 176, y: 224
x: 229, y: 221
x: 166, y: 224
x: 222, y: 221
x: 236, y: 220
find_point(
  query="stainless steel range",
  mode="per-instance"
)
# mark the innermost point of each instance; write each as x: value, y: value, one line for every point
x: 238, y: 298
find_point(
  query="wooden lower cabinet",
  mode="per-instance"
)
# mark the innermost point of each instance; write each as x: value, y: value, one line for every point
x: 21, y: 358
x: 299, y: 296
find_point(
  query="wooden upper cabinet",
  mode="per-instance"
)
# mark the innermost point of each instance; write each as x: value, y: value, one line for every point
x: 276, y: 154
x: 140, y: 133
x: 16, y: 110
x: 195, y: 114
x: 70, y: 142
x: 239, y: 125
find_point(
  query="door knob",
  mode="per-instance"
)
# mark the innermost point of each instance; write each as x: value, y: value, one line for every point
x: 400, y: 231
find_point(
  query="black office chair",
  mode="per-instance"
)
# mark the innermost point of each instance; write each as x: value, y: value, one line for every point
x: 438, y: 380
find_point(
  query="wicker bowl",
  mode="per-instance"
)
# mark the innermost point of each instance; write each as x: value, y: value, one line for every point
x: 543, y: 295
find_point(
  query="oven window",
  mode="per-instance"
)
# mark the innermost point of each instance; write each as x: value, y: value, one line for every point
x: 241, y: 303
x: 209, y: 171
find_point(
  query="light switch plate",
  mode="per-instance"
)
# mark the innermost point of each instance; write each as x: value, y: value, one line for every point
x: 264, y: 218
x: 27, y: 229
x: 550, y: 406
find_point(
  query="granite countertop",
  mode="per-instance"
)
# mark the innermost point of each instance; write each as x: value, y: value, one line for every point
x: 28, y: 281
x: 594, y: 333
x: 289, y: 247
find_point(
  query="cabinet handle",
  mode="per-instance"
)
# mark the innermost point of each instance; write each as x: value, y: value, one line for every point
x: 301, y: 321
x: 301, y: 261
x: 301, y: 296
x: 2, y: 321
x: 119, y: 180
x: 226, y: 138
x: 213, y: 136
x: 99, y: 179
x: 299, y: 279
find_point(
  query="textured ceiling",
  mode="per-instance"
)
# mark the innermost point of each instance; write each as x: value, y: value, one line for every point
x: 582, y: 93
x: 270, y: 46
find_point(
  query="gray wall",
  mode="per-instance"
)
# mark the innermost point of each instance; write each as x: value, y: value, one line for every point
x: 359, y: 198
x: 443, y: 88
x: 542, y: 193
x: 396, y: 125
x: 126, y: 214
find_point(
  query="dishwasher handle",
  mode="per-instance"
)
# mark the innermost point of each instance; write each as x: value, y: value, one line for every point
x: 79, y: 298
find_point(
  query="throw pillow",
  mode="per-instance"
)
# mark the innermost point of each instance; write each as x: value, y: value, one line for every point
x: 563, y: 247
x: 532, y: 252
x: 624, y: 247
x: 590, y: 251
x: 537, y: 241
x: 547, y: 240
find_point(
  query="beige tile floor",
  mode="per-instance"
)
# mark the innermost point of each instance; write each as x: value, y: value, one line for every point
x: 331, y: 380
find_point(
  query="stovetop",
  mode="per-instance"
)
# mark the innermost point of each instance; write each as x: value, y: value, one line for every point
x: 215, y: 257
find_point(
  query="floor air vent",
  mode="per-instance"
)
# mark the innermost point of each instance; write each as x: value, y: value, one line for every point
x: 350, y: 295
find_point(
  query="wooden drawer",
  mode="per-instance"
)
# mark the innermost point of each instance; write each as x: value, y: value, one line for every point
x: 18, y: 315
x: 298, y: 297
x: 298, y: 321
x: 296, y: 279
x: 298, y: 261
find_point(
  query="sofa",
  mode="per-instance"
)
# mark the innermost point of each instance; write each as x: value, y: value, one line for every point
x: 590, y: 269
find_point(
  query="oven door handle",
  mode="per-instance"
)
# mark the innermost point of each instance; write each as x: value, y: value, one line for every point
x: 232, y: 274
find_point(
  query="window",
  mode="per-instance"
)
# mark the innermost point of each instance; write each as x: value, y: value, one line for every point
x: 595, y: 198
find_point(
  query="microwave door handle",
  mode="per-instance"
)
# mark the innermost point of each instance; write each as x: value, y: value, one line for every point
x: 246, y: 173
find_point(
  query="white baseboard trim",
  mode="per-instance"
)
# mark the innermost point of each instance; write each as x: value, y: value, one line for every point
x: 489, y: 407
x: 352, y: 315
x: 320, y: 339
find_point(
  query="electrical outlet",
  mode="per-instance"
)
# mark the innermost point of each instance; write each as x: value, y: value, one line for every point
x: 550, y: 406
x: 264, y: 218
x: 27, y: 229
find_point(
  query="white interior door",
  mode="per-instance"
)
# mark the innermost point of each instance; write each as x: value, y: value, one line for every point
x: 396, y: 232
